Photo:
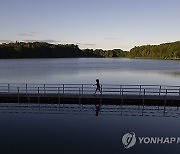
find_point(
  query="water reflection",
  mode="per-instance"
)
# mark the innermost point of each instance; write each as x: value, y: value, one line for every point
x: 75, y: 128
x: 171, y: 73
x: 97, y: 109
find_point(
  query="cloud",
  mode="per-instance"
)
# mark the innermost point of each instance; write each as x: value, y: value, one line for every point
x: 50, y: 41
x: 25, y: 34
x: 33, y: 32
x: 112, y: 38
x: 86, y: 44
x: 47, y: 40
x: 90, y: 44
x: 6, y: 41
x: 29, y: 34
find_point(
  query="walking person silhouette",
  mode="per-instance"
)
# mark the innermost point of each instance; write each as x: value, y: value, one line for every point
x: 98, y: 87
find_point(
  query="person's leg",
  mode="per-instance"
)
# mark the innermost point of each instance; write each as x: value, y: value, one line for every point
x: 99, y: 88
x: 95, y: 91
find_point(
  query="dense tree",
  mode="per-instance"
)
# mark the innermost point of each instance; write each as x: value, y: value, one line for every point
x: 162, y: 51
x: 46, y: 50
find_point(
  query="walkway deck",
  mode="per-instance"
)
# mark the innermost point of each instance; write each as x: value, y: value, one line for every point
x: 84, y: 93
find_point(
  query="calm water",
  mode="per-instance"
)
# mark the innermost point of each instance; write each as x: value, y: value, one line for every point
x: 83, y: 70
x: 75, y: 129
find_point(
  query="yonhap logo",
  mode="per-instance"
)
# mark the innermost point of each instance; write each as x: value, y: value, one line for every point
x: 129, y: 140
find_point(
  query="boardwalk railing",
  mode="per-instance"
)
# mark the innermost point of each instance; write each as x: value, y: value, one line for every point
x: 107, y: 89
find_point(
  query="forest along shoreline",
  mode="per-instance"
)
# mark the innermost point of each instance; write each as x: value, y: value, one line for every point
x: 46, y: 50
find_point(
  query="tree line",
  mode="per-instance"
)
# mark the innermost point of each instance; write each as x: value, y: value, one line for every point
x: 162, y: 51
x: 46, y: 50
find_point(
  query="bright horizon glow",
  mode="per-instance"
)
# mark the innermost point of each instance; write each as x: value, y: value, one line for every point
x: 105, y: 24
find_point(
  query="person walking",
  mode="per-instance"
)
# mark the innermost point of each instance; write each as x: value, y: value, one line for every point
x: 98, y: 87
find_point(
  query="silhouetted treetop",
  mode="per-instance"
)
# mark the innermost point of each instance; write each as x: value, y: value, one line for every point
x: 46, y: 50
x: 162, y: 51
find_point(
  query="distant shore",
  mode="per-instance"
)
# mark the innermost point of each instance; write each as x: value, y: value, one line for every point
x: 46, y: 50
x: 22, y: 50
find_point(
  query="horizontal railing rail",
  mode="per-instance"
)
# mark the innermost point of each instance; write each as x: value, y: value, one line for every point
x: 144, y: 90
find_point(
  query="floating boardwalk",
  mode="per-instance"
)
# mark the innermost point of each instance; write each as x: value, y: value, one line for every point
x: 84, y: 94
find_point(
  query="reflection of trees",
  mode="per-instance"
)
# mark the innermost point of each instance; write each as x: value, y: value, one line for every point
x: 171, y: 73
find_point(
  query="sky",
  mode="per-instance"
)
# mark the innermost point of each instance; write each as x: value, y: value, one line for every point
x: 94, y: 24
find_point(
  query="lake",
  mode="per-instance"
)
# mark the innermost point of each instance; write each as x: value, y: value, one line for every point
x: 86, y: 70
x: 76, y: 129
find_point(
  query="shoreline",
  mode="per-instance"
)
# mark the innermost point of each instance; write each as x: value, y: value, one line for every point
x: 177, y: 59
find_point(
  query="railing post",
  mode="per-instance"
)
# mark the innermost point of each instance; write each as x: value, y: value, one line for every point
x: 63, y: 88
x: 79, y: 91
x: 140, y: 90
x: 79, y: 95
x: 8, y: 88
x: 38, y: 97
x: 44, y: 88
x: 144, y: 97
x: 58, y: 90
x: 144, y: 92
x: 18, y: 93
x: 82, y: 88
x: 165, y: 102
x: 120, y: 89
x: 159, y: 90
x: 59, y: 100
x: 165, y: 99
x: 101, y: 90
x: 143, y: 101
x: 122, y: 93
x: 26, y: 88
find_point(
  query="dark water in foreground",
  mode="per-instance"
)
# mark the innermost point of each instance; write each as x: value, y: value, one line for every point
x: 75, y: 129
